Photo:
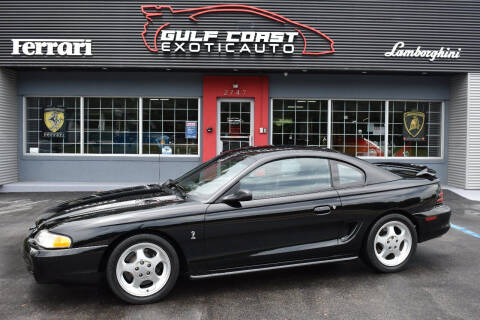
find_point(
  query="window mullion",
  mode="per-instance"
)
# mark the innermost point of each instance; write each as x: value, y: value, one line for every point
x: 329, y: 124
x: 82, y: 125
x: 387, y: 107
x: 140, y: 125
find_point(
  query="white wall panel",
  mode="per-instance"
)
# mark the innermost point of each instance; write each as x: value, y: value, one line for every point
x: 457, y: 131
x: 473, y: 142
x: 8, y: 127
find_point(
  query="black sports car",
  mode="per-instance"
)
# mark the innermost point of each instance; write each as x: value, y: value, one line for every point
x: 246, y: 210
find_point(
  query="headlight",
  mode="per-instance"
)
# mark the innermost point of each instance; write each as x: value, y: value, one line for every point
x: 50, y: 240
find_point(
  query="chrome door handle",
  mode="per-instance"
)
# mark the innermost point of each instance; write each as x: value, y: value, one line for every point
x: 322, y: 210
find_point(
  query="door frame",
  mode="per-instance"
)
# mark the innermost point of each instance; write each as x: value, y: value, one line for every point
x: 252, y: 120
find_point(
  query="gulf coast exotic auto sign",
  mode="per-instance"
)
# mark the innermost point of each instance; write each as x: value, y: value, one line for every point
x: 161, y: 35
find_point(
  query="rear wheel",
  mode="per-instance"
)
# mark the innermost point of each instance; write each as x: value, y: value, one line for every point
x: 391, y: 243
x: 142, y: 269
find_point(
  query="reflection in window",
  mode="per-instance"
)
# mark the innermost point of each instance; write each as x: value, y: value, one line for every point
x: 53, y: 125
x: 111, y: 125
x: 170, y: 126
x: 300, y: 122
x: 204, y: 181
x: 287, y: 177
x: 414, y: 129
x: 349, y: 175
x: 358, y: 127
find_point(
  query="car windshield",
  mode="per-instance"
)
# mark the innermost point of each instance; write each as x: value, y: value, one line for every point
x: 203, y: 181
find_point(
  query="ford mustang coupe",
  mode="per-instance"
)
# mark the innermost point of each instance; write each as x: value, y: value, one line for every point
x: 246, y: 210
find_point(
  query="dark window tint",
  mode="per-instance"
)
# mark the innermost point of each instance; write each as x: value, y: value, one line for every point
x: 288, y: 177
x: 349, y: 175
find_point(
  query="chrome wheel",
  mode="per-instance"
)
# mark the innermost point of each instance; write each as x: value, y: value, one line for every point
x: 143, y: 269
x: 393, y: 243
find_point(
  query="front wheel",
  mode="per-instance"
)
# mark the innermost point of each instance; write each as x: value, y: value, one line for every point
x: 142, y: 269
x: 391, y: 243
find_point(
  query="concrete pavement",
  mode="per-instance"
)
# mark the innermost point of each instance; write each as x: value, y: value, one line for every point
x: 443, y: 282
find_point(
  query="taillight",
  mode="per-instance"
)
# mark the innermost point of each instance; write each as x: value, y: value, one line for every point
x: 440, y: 196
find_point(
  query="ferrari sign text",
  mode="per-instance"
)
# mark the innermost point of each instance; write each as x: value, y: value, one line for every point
x: 51, y: 47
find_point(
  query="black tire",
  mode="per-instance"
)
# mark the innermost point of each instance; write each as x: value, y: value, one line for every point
x: 370, y: 246
x: 124, y: 245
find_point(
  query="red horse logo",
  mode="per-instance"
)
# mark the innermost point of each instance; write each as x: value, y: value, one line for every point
x: 154, y: 11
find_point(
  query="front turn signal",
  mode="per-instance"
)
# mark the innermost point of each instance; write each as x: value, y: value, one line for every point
x: 50, y: 240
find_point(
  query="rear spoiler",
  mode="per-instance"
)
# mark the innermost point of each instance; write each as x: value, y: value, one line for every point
x: 408, y: 170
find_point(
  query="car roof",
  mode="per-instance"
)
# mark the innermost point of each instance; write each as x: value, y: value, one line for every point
x: 374, y: 174
x: 267, y: 151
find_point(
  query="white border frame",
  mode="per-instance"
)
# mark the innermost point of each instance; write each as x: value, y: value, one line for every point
x: 82, y: 129
x: 387, y: 105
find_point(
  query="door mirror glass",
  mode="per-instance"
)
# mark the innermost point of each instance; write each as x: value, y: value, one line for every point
x: 240, y: 195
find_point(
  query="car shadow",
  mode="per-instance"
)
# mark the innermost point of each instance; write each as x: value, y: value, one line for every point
x: 331, y: 276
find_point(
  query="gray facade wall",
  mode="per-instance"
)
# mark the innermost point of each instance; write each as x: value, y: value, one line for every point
x: 457, y: 131
x: 171, y: 84
x: 8, y: 127
x: 107, y: 84
x: 473, y: 129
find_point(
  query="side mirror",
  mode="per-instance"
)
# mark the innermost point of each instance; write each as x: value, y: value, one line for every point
x: 240, y: 195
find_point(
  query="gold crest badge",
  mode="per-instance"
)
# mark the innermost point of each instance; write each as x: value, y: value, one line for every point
x: 54, y: 118
x: 413, y: 122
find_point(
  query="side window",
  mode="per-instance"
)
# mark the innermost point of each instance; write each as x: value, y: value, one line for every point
x: 287, y: 177
x: 349, y: 176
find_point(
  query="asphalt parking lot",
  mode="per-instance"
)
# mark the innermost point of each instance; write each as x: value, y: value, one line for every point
x: 443, y: 282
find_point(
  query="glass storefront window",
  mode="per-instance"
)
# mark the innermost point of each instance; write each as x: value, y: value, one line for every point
x: 170, y: 126
x: 414, y: 129
x: 52, y: 125
x: 111, y: 125
x: 358, y: 127
x: 300, y: 122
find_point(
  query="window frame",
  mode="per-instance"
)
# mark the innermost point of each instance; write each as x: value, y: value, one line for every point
x: 235, y: 187
x: 25, y: 132
x: 328, y: 120
x: 82, y: 152
x: 386, y: 122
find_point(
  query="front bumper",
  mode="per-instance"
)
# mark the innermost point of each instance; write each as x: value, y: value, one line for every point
x: 433, y: 223
x: 63, y: 265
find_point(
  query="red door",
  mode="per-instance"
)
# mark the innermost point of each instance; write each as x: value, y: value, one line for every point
x: 233, y: 87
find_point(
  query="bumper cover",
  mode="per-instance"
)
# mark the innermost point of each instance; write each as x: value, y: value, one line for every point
x: 63, y: 265
x: 433, y: 223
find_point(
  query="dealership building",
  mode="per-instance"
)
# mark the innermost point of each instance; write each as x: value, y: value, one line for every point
x: 96, y: 93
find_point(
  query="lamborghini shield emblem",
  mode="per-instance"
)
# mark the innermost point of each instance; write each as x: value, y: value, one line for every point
x: 413, y: 123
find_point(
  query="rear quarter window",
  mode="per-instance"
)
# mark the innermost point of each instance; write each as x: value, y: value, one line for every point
x: 347, y: 175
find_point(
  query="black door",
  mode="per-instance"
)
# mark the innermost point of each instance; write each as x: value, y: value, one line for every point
x: 291, y: 217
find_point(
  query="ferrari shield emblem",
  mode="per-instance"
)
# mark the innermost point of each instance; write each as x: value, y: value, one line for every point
x: 413, y: 122
x: 53, y: 118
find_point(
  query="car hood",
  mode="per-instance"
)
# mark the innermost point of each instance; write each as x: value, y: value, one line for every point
x: 109, y: 203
